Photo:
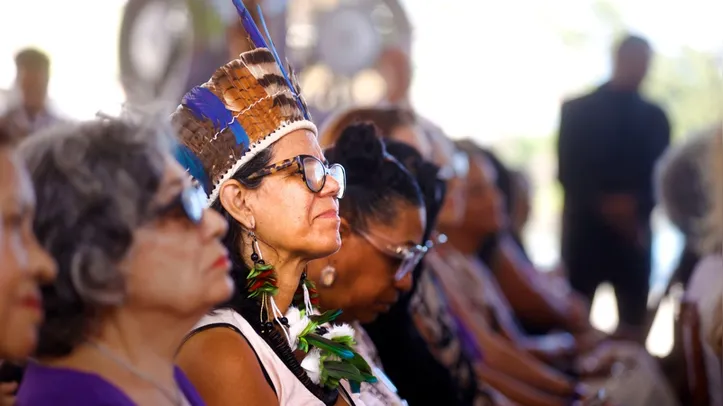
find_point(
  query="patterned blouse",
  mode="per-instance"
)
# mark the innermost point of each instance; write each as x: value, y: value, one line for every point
x: 444, y: 335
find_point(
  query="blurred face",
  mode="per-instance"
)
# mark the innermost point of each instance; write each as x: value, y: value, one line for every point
x: 412, y: 135
x: 367, y: 280
x: 176, y: 265
x: 24, y: 264
x: 484, y: 213
x: 286, y: 216
x: 33, y: 83
x: 632, y: 62
x: 454, y: 167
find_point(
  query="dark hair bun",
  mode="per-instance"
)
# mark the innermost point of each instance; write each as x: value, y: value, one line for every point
x: 361, y: 151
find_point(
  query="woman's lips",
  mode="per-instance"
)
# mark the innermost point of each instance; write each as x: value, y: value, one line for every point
x: 32, y: 302
x: 222, y: 263
x: 329, y: 214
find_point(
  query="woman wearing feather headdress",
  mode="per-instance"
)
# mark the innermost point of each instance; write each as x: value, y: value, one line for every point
x: 247, y: 137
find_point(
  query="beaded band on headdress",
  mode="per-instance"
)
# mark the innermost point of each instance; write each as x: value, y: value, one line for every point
x: 247, y: 105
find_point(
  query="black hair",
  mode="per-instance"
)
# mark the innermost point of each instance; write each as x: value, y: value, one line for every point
x: 251, y: 308
x: 631, y: 40
x: 375, y: 179
x: 425, y: 172
x: 31, y: 58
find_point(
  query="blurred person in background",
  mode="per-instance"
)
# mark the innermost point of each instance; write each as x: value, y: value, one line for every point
x: 140, y: 261
x: 609, y: 141
x: 681, y: 190
x: 541, y: 302
x: 589, y: 360
x: 31, y: 113
x: 705, y: 289
x: 24, y: 267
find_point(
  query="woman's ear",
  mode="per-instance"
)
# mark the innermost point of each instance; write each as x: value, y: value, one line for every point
x: 234, y: 198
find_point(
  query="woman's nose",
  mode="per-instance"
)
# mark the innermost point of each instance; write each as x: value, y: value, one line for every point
x: 214, y: 225
x: 42, y: 265
x: 404, y: 284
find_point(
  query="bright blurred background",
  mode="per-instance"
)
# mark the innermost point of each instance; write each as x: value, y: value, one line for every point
x: 493, y: 71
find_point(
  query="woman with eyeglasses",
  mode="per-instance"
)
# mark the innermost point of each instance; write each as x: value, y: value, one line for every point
x: 140, y: 261
x: 382, y: 225
x: 250, y: 141
x: 24, y: 267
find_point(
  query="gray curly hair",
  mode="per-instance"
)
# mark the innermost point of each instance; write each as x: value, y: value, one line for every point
x: 95, y: 184
x: 680, y: 185
x: 712, y: 241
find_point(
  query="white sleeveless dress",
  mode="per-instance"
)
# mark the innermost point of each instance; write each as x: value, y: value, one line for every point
x: 289, y: 390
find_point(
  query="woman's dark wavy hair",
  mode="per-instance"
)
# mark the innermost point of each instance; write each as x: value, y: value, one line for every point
x: 95, y: 183
x: 376, y: 181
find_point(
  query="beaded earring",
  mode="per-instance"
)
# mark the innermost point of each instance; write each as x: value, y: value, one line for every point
x: 261, y: 284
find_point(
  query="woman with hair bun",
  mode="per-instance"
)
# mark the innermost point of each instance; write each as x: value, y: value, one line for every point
x: 383, y: 220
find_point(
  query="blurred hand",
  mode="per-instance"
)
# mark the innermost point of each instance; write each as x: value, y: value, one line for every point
x: 7, y: 393
x: 579, y: 312
x: 620, y: 212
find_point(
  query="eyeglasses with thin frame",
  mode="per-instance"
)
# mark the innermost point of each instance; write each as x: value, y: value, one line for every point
x: 191, y: 203
x: 410, y: 254
x: 312, y: 170
x: 458, y: 167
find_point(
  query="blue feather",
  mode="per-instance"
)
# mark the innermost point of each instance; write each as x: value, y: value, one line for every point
x: 203, y: 103
x: 193, y: 165
x: 278, y: 60
x: 249, y: 24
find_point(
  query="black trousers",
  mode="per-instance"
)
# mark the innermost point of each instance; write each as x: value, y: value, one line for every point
x: 594, y: 254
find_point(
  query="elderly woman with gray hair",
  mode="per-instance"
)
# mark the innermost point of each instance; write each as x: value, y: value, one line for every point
x: 139, y: 263
x: 705, y: 289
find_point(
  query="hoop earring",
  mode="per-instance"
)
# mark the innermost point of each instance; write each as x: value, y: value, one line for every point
x: 328, y: 276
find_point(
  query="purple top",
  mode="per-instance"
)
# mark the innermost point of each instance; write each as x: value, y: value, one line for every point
x: 44, y: 385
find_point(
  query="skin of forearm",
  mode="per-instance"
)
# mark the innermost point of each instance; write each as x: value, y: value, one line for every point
x: 503, y: 356
x: 517, y: 391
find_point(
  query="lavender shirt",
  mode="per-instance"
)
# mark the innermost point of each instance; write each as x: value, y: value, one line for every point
x: 44, y: 385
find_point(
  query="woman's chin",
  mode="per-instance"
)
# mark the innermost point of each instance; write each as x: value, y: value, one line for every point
x: 220, y: 292
x: 19, y: 346
x: 325, y: 247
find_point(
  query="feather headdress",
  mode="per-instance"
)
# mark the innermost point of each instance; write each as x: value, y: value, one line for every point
x: 247, y: 105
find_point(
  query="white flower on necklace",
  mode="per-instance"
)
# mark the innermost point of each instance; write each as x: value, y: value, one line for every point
x: 312, y: 365
x: 297, y: 324
x: 339, y: 330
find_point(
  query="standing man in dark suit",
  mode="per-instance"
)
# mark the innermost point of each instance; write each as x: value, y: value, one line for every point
x: 608, y: 144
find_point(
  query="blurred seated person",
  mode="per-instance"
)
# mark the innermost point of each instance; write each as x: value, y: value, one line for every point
x: 138, y: 265
x: 393, y: 122
x: 706, y: 284
x: 485, y: 216
x: 31, y: 113
x: 681, y: 191
x: 539, y: 302
x: 24, y: 267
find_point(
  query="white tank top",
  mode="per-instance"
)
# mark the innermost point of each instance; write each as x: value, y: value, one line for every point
x: 289, y: 390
